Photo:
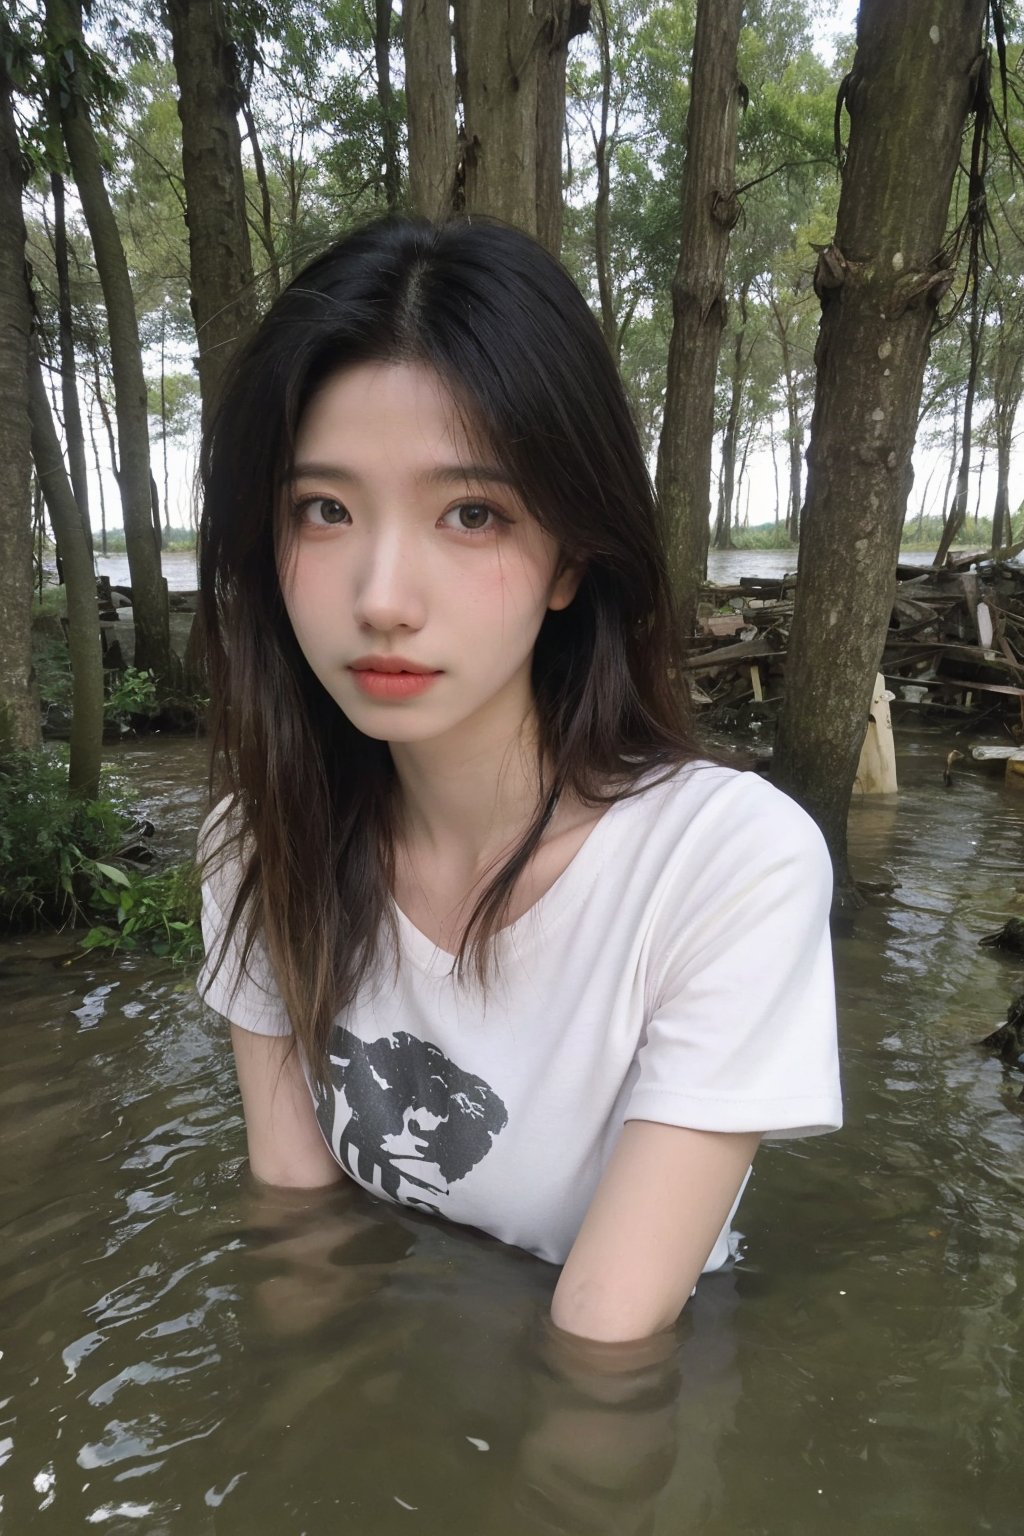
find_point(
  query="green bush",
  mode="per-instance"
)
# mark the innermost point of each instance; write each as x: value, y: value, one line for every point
x: 61, y: 866
x: 130, y: 692
x: 156, y: 911
x: 50, y: 651
x: 50, y: 844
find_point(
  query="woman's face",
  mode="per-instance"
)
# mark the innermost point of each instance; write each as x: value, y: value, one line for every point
x: 401, y: 544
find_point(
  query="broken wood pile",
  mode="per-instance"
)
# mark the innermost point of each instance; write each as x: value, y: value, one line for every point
x: 955, y: 643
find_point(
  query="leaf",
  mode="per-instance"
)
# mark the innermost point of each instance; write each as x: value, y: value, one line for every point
x: 117, y: 875
x: 98, y: 936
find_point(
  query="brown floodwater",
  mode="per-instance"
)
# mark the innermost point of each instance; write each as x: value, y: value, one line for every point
x: 184, y: 1353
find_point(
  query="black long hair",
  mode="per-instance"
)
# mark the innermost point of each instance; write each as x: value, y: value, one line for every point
x: 310, y: 801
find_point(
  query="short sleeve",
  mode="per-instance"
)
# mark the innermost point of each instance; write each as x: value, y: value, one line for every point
x: 255, y: 1003
x: 742, y: 1036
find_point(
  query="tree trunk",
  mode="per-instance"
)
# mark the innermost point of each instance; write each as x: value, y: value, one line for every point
x: 220, y: 261
x: 266, y: 229
x: 954, y: 453
x: 981, y: 477
x: 99, y: 481
x: 723, y: 525
x: 510, y: 63
x: 957, y: 515
x: 742, y: 476
x: 74, y: 434
x: 1004, y: 418
x: 149, y: 590
x: 430, y: 106
x: 602, y: 201
x: 385, y: 96
x: 795, y: 437
x: 568, y: 19
x: 794, y: 430
x: 908, y: 97
x: 19, y: 702
x: 708, y: 212
x: 80, y: 588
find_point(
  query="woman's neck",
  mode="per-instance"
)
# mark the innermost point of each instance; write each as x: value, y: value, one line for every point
x: 460, y: 810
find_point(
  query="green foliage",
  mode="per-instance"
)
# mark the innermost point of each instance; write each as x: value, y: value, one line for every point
x: 923, y: 533
x: 181, y: 406
x: 131, y: 693
x: 61, y: 864
x: 157, y: 912
x: 50, y: 658
x: 50, y: 845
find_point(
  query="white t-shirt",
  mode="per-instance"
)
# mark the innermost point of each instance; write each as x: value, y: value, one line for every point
x: 679, y: 970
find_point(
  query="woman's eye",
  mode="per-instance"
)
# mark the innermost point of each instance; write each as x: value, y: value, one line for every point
x: 474, y: 517
x: 321, y: 511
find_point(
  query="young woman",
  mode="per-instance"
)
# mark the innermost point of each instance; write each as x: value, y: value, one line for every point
x: 495, y: 938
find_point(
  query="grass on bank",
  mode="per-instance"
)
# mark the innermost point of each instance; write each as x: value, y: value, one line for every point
x: 177, y: 540
x: 920, y: 535
x: 63, y: 864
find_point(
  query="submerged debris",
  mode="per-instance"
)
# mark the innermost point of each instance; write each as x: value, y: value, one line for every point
x: 1010, y: 936
x: 1008, y: 1040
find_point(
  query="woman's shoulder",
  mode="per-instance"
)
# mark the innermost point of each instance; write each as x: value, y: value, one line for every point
x: 221, y: 850
x: 707, y: 783
x: 706, y: 808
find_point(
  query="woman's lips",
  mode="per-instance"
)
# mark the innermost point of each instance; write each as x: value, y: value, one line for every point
x: 393, y: 686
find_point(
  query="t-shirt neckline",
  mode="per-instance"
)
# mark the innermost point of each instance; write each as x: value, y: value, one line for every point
x: 560, y: 897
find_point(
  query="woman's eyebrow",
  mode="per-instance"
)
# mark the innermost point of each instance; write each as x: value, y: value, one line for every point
x: 446, y: 473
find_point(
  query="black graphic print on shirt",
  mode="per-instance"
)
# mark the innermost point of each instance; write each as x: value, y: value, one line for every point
x: 402, y: 1118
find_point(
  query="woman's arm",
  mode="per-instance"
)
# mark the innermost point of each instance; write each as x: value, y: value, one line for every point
x: 285, y: 1144
x: 662, y: 1201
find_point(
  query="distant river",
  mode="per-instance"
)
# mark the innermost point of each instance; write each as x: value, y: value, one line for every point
x: 725, y: 565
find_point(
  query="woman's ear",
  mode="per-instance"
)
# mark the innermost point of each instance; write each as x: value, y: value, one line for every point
x: 565, y: 583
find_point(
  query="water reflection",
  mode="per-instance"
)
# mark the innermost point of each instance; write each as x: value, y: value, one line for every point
x: 185, y: 1352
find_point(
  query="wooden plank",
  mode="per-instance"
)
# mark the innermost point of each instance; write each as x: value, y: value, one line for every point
x: 729, y: 655
x: 958, y: 682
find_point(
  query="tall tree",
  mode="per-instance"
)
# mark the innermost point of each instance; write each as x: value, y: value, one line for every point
x: 67, y: 50
x: 75, y: 555
x: 430, y: 106
x: 510, y: 64
x: 19, y: 704
x: 382, y: 22
x: 708, y: 211
x: 1007, y: 386
x: 956, y: 515
x: 741, y: 350
x: 209, y: 99
x: 912, y: 84
x: 74, y: 432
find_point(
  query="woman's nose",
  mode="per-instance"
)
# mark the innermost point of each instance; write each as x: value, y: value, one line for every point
x: 389, y: 592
